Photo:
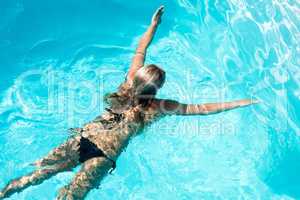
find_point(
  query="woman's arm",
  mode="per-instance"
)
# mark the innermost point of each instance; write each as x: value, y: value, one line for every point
x: 174, y: 107
x: 139, y: 57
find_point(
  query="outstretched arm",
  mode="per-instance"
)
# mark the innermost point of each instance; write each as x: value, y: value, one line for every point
x: 174, y: 107
x: 139, y: 57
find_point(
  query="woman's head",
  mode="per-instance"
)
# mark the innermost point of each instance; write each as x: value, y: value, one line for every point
x: 148, y: 80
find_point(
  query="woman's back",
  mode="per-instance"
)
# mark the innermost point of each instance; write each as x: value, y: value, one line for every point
x: 112, y: 130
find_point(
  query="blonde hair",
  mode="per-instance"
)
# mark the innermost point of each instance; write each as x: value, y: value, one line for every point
x: 145, y: 85
x: 148, y: 80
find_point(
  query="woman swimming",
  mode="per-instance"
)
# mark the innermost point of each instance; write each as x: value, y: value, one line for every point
x: 97, y: 145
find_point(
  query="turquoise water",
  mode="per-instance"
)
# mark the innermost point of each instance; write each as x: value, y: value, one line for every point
x: 58, y: 59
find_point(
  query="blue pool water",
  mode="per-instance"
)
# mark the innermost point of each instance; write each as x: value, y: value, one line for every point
x: 58, y: 58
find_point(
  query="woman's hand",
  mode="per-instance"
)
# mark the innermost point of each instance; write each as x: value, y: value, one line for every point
x: 246, y: 102
x: 156, y: 19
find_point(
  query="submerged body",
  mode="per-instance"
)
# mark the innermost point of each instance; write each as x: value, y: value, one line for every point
x: 97, y: 145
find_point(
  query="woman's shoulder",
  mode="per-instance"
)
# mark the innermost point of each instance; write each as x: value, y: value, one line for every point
x: 165, y: 106
x: 119, y: 100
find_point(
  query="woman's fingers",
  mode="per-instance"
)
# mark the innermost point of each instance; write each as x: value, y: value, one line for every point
x: 246, y: 102
x: 255, y: 101
x: 156, y: 19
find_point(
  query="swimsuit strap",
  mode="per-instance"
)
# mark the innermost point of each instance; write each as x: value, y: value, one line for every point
x: 117, y: 116
x: 109, y: 123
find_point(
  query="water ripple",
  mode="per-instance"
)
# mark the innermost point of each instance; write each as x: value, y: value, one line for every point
x: 211, y: 51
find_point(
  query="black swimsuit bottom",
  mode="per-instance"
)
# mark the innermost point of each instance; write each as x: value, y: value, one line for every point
x: 88, y: 150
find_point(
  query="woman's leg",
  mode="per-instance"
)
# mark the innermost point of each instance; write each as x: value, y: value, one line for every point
x: 63, y: 158
x: 35, y: 178
x: 89, y: 177
x: 68, y: 151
